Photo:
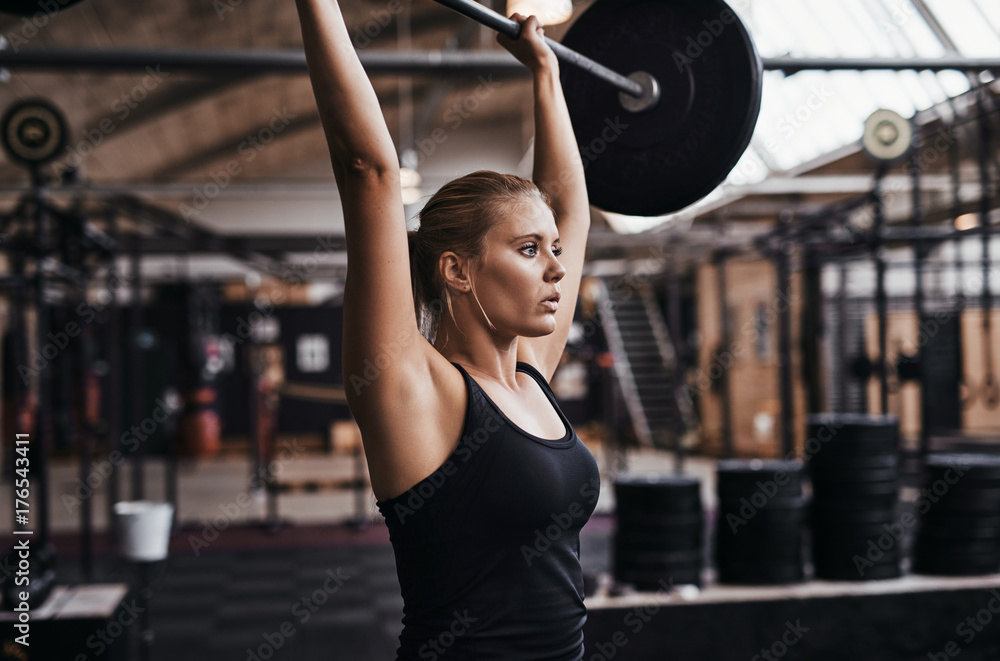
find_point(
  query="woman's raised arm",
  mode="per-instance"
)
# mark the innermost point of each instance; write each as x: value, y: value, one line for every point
x: 558, y: 172
x: 350, y: 112
x: 378, y: 298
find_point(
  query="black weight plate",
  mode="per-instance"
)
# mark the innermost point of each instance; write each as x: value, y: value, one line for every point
x: 953, y: 568
x: 679, y: 497
x: 823, y: 490
x: 965, y: 505
x: 847, y: 502
x: 846, y: 552
x: 827, y: 515
x: 665, y: 158
x: 758, y: 537
x: 932, y: 545
x: 983, y: 519
x: 658, y: 482
x: 645, y: 542
x: 974, y: 466
x: 32, y: 7
x: 840, y: 461
x: 947, y: 528
x: 851, y: 475
x: 862, y: 531
x: 775, y: 555
x: 853, y: 573
x: 850, y: 425
x: 646, y: 581
x: 749, y: 575
x: 641, y: 558
x: 759, y: 527
x: 644, y: 521
x: 755, y: 469
x: 925, y: 559
x: 777, y: 507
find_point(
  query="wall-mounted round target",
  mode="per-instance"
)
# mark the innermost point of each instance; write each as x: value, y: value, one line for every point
x: 34, y: 132
x: 32, y: 7
x: 888, y: 135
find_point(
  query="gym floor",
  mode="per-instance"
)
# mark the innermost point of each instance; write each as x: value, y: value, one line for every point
x: 231, y: 595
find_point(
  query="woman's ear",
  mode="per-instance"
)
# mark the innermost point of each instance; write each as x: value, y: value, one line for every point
x: 454, y: 271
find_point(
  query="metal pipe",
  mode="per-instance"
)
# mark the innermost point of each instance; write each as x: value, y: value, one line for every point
x: 991, y: 388
x: 722, y: 356
x: 842, y: 339
x: 115, y: 383
x: 783, y: 264
x: 680, y: 353
x: 137, y: 392
x: 39, y: 464
x: 216, y: 61
x: 919, y: 253
x: 881, y: 300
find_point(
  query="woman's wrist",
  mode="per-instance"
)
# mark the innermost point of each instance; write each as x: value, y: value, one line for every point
x: 548, y: 67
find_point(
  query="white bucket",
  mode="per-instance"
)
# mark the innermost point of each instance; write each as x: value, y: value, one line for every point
x: 146, y: 529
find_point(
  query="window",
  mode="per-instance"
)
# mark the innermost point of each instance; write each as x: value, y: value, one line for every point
x: 312, y: 353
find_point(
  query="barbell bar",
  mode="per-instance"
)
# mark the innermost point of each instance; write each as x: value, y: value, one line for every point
x: 230, y: 61
x: 644, y: 89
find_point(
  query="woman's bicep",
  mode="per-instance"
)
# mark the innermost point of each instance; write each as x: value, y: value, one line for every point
x: 378, y: 297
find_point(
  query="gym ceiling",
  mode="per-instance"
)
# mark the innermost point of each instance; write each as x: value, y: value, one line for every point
x: 164, y: 137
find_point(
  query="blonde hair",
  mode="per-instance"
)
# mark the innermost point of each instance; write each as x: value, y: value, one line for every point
x: 457, y: 218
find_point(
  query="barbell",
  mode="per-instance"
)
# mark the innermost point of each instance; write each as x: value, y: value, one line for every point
x: 663, y: 97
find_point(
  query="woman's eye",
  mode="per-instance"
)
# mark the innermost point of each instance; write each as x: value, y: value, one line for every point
x: 557, y: 251
x: 530, y: 246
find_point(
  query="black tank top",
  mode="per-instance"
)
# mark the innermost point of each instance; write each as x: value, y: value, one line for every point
x: 488, y: 546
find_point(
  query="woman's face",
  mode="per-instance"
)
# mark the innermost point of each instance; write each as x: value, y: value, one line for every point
x: 517, y: 278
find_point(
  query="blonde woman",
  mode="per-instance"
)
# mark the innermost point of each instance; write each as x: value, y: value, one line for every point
x: 482, y: 481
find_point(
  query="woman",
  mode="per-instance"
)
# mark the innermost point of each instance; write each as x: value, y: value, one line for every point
x: 483, y: 483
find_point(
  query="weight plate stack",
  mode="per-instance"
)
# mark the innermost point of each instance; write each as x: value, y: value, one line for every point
x: 762, y: 517
x: 959, y: 506
x: 659, y: 531
x: 854, y: 469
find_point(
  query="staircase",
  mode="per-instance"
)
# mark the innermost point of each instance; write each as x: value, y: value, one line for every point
x: 645, y: 363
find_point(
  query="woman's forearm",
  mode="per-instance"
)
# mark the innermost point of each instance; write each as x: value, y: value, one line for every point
x: 352, y: 119
x: 558, y: 168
